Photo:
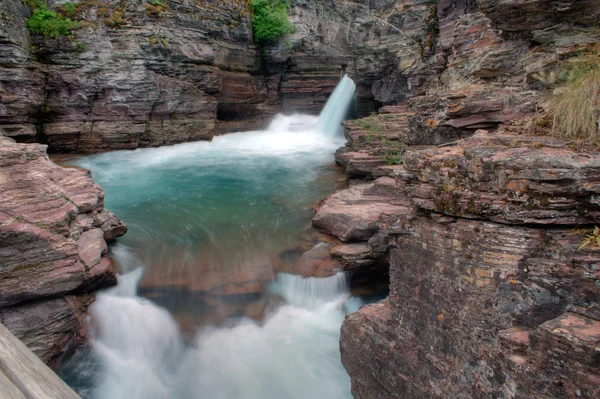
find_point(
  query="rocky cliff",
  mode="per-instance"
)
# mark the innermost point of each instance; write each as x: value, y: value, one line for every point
x: 136, y: 74
x: 493, y: 290
x: 53, y: 235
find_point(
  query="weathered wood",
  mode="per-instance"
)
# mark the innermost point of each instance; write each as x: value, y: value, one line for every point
x: 24, y: 375
x: 8, y: 390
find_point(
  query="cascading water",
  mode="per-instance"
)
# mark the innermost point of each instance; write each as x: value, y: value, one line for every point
x: 336, y: 108
x: 204, y: 218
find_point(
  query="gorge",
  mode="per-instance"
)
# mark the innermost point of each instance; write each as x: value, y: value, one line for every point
x: 469, y: 186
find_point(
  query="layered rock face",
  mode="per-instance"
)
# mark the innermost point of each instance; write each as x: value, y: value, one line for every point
x: 486, y: 299
x: 136, y: 74
x: 53, y: 235
x: 492, y: 294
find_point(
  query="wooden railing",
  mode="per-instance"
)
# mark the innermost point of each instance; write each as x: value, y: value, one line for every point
x: 24, y: 376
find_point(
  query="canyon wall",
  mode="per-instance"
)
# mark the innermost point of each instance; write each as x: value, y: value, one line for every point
x: 53, y: 235
x: 482, y: 225
x: 136, y: 74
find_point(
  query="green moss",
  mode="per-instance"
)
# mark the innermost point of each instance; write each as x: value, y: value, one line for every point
x: 115, y: 21
x: 270, y: 20
x: 48, y: 23
x: 369, y: 124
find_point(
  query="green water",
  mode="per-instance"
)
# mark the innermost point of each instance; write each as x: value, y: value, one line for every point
x: 208, y: 219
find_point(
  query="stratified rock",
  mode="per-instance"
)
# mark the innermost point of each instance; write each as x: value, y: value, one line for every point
x: 478, y: 294
x: 47, y: 327
x: 353, y: 214
x: 490, y: 293
x: 53, y: 232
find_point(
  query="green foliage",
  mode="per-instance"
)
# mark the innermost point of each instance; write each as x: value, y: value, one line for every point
x: 69, y: 8
x: 592, y: 239
x: 392, y: 152
x: 158, y: 3
x: 574, y: 108
x: 48, y: 23
x: 270, y: 20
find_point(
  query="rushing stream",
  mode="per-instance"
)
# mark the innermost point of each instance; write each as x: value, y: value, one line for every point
x: 199, y: 311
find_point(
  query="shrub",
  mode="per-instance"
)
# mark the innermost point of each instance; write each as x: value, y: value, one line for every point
x: 46, y: 22
x: 103, y: 12
x: 574, y: 108
x: 270, y: 20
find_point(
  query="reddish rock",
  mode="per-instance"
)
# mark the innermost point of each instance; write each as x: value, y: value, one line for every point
x: 316, y: 262
x: 353, y: 214
x: 53, y: 232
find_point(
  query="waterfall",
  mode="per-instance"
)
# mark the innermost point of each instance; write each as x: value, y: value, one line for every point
x: 215, y: 213
x: 311, y: 292
x: 336, y: 109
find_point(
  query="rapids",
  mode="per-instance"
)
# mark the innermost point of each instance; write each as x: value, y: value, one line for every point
x: 206, y: 221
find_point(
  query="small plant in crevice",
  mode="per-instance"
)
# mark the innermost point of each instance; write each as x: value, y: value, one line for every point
x: 155, y: 40
x: 48, y: 23
x: 270, y: 20
x: 591, y: 240
x: 79, y: 47
x: 154, y: 8
x: 68, y: 9
x: 392, y: 152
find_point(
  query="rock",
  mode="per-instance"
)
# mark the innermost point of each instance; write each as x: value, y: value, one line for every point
x: 92, y: 247
x: 490, y: 295
x: 208, y: 277
x: 516, y: 184
x: 110, y: 224
x: 455, y: 289
x: 53, y: 231
x: 316, y: 262
x: 353, y: 255
x: 139, y: 82
x: 353, y: 214
x: 47, y: 327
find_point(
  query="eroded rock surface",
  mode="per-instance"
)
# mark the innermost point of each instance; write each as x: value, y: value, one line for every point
x: 491, y: 292
x: 136, y: 74
x: 53, y: 234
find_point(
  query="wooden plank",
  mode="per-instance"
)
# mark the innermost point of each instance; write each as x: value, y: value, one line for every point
x: 28, y: 373
x: 8, y: 390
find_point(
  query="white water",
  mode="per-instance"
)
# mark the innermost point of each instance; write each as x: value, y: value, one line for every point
x: 336, y: 108
x: 292, y: 354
